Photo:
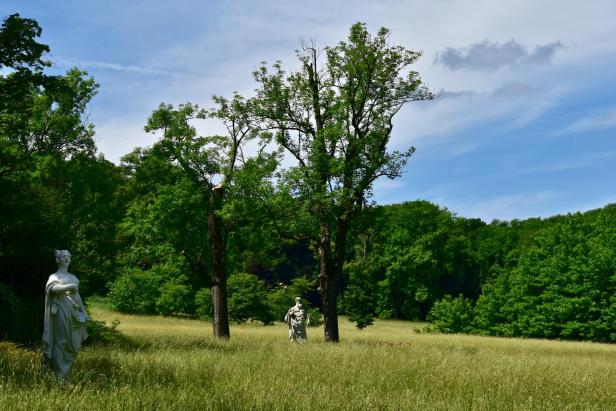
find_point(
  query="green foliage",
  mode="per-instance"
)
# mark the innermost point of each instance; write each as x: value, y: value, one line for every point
x: 136, y: 291
x: 562, y: 287
x: 148, y: 219
x: 359, y: 308
x: 162, y: 289
x: 99, y: 333
x: 279, y: 300
x: 452, y: 315
x: 282, y: 297
x: 247, y: 299
x: 203, y: 303
x: 163, y: 231
x: 407, y: 256
x: 19, y: 49
x: 9, y: 315
x: 316, y: 318
x: 385, y: 305
x: 334, y: 117
x: 175, y: 298
x: 358, y: 300
x: 56, y: 193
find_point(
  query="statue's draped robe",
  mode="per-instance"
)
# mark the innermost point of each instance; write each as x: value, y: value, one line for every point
x: 65, y: 324
x: 297, y: 318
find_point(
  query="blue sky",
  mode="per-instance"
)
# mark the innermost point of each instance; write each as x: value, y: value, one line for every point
x: 524, y: 125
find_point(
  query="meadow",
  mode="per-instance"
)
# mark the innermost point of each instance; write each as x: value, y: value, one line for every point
x: 174, y: 363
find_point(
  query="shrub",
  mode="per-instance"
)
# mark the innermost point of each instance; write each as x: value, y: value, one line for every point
x: 316, y: 318
x: 136, y: 292
x: 358, y: 305
x: 20, y: 316
x: 99, y: 333
x: 247, y: 299
x: 174, y: 298
x: 281, y: 298
x: 8, y: 315
x: 452, y: 315
x: 203, y: 303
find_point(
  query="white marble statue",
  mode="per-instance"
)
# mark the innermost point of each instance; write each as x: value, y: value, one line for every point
x: 65, y: 318
x: 297, y: 319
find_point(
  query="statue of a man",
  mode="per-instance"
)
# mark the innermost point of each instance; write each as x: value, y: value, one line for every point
x: 297, y: 319
x: 65, y: 318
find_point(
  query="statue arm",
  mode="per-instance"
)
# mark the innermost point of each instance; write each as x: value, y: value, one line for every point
x: 62, y: 288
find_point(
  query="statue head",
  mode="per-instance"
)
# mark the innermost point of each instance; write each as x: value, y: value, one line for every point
x: 298, y: 300
x: 63, y: 257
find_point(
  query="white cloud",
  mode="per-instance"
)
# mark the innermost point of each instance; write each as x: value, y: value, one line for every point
x: 512, y: 105
x: 570, y: 164
x: 118, y: 136
x: 218, y: 55
x: 601, y: 120
x: 67, y: 63
x: 508, y: 206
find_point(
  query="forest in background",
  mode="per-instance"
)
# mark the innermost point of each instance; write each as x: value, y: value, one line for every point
x: 139, y: 232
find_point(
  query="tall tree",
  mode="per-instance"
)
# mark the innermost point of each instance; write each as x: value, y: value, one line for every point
x: 39, y: 113
x: 211, y: 162
x: 334, y: 117
x: 46, y: 152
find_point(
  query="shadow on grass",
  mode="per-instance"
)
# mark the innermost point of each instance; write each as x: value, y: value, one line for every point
x: 98, y: 369
x: 105, y: 372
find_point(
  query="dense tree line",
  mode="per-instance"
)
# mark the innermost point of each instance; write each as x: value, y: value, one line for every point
x: 559, y: 283
x: 207, y: 226
x: 55, y: 192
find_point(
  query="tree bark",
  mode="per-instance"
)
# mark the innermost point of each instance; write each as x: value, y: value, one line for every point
x: 329, y: 291
x: 219, y: 277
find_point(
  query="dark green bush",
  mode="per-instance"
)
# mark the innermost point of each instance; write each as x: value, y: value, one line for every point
x: 247, y: 299
x: 99, y: 333
x: 281, y: 298
x: 358, y: 305
x: 452, y: 315
x: 136, y: 292
x: 316, y: 318
x: 20, y: 318
x: 175, y: 298
x: 203, y: 303
x: 9, y: 313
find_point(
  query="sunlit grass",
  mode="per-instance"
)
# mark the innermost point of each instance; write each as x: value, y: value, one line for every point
x: 175, y: 364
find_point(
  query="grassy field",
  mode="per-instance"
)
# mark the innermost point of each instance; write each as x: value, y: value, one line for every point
x: 175, y: 364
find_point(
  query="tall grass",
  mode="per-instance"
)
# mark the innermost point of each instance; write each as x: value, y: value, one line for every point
x: 175, y: 364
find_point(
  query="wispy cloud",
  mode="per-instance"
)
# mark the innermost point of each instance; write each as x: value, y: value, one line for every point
x: 571, y: 164
x: 510, y: 106
x: 118, y: 67
x: 600, y: 120
x: 492, y: 56
x: 508, y: 206
x: 508, y: 90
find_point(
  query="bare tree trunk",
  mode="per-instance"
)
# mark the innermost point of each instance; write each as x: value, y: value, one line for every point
x: 329, y: 291
x: 331, y: 271
x: 219, y: 280
x: 330, y: 310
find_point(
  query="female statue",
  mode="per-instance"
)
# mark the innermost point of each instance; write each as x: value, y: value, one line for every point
x: 65, y: 318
